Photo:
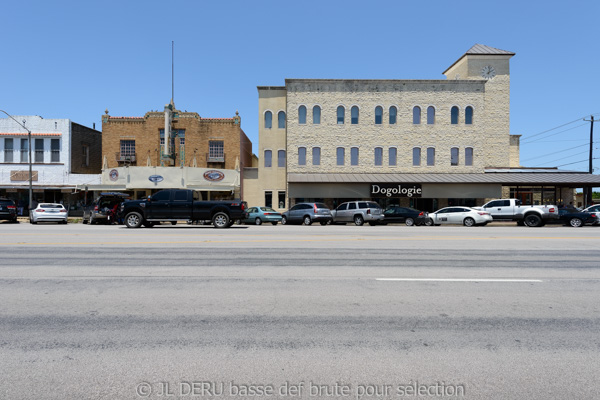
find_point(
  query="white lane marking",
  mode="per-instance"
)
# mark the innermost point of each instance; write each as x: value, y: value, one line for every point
x: 456, y: 280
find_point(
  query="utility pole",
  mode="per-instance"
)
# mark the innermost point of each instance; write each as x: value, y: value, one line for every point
x: 589, y: 190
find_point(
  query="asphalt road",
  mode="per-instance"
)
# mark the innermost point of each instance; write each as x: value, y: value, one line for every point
x: 288, y: 312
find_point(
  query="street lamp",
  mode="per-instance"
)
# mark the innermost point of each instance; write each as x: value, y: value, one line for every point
x: 30, y: 166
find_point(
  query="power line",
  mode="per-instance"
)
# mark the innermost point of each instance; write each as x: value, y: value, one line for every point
x: 554, y: 152
x: 576, y: 162
x: 554, y: 134
x: 572, y: 155
x: 557, y: 127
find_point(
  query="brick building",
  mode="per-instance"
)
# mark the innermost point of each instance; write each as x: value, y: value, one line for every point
x: 136, y: 148
x: 334, y: 140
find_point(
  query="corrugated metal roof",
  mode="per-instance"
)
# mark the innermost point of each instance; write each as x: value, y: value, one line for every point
x: 506, y: 178
x: 483, y: 49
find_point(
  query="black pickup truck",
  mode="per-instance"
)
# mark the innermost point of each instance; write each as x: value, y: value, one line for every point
x: 172, y: 205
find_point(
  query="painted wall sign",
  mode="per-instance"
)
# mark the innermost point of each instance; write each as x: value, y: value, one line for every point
x: 113, y: 174
x: 214, y: 175
x: 155, y: 178
x: 396, y: 190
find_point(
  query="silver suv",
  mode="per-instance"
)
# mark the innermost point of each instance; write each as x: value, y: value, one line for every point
x: 307, y: 213
x: 358, y: 212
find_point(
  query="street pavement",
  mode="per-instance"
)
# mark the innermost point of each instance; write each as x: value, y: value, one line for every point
x: 289, y: 312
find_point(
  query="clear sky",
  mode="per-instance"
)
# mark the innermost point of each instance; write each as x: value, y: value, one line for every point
x: 74, y: 59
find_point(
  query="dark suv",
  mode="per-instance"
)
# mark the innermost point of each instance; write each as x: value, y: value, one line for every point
x: 104, y: 209
x: 8, y: 210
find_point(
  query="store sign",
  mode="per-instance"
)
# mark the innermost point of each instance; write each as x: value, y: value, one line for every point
x: 113, y: 175
x: 23, y: 175
x: 396, y: 190
x: 155, y: 178
x: 214, y: 176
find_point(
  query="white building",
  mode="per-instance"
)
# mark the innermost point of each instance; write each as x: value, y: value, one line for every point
x: 64, y: 155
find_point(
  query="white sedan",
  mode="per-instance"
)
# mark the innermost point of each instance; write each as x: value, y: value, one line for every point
x: 459, y: 215
x: 48, y: 212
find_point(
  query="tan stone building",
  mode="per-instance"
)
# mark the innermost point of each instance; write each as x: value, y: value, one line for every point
x: 174, y: 149
x: 335, y: 140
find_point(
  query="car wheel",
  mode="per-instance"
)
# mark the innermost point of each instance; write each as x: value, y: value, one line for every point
x: 428, y: 222
x: 173, y: 222
x: 258, y: 221
x: 323, y: 223
x: 284, y: 221
x: 274, y: 223
x: 307, y: 220
x: 533, y: 220
x: 84, y: 221
x: 409, y: 222
x: 576, y: 222
x: 358, y: 220
x: 220, y: 220
x: 238, y: 221
x: 32, y: 222
x: 132, y: 220
x: 149, y: 224
x: 373, y: 223
x: 469, y: 222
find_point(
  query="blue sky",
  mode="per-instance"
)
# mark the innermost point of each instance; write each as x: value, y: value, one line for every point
x: 74, y: 59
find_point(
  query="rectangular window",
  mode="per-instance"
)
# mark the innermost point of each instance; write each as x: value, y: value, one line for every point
x: 378, y: 156
x: 416, y: 156
x: 39, y: 150
x: 354, y: 156
x: 24, y: 150
x: 268, y: 156
x: 85, y: 155
x: 316, y: 156
x: 430, y: 156
x: 393, y: 156
x: 281, y: 158
x: 268, y: 199
x: 469, y: 156
x: 216, y: 151
x: 340, y: 155
x: 454, y: 156
x: 55, y: 150
x: 302, y: 156
x: 8, y: 150
x: 281, y: 199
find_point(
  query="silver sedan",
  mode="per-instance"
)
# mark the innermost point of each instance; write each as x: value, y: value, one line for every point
x: 459, y: 215
x: 48, y: 212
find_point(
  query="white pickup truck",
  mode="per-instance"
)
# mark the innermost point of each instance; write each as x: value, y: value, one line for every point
x: 513, y: 210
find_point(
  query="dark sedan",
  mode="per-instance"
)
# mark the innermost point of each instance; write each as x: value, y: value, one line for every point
x: 574, y: 217
x: 405, y: 215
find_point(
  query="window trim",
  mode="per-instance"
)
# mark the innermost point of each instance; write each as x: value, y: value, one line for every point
x: 457, y: 108
x: 284, y: 119
x: 380, y: 148
x: 357, y: 156
x: 420, y: 156
x: 375, y: 115
x: 427, y: 157
x: 305, y: 114
x: 337, y: 115
x: 430, y: 107
x: 279, y: 158
x: 457, y: 156
x: 472, y: 114
x: 357, y: 108
x: 420, y: 114
x: 317, y: 148
x: 320, y: 114
x: 395, y: 156
x: 265, y: 119
x: 472, y: 155
x: 337, y: 155
x: 298, y: 153
x: 395, y: 115
x: 270, y: 158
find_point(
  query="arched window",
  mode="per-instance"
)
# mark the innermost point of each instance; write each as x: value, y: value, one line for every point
x: 341, y: 153
x: 340, y: 115
x: 268, y: 120
x: 301, y: 155
x: 416, y: 115
x: 268, y: 155
x: 416, y: 156
x: 454, y: 115
x: 469, y: 115
x: 393, y: 115
x: 378, y: 156
x: 431, y: 156
x: 354, y: 156
x: 392, y: 155
x: 316, y: 115
x: 378, y: 115
x: 316, y: 156
x: 302, y: 115
x: 454, y: 156
x: 469, y: 156
x: 430, y: 115
x: 281, y: 120
x: 354, y: 115
x: 281, y: 158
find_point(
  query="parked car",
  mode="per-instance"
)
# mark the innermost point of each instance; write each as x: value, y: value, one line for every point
x: 406, y: 215
x: 307, y: 213
x: 596, y: 210
x: 48, y: 212
x: 459, y: 215
x: 358, y: 212
x: 258, y: 215
x: 8, y: 210
x: 575, y: 218
x: 104, y: 209
x: 514, y: 210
